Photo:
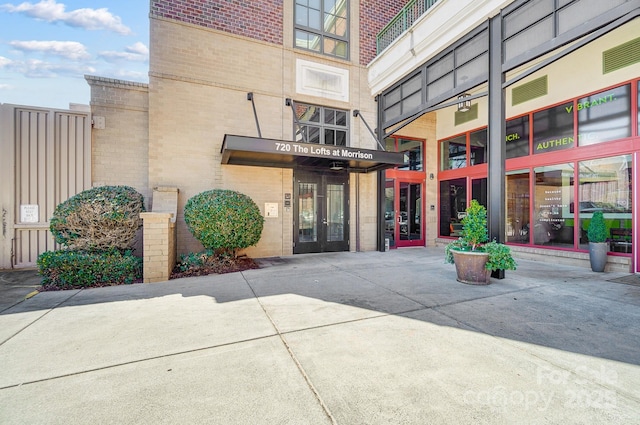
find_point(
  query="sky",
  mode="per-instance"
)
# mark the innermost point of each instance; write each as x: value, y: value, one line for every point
x: 48, y: 46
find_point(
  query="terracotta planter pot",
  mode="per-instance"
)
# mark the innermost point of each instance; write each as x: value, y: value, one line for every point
x: 470, y: 267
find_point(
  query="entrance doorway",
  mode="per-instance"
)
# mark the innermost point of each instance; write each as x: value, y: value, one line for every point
x: 321, y: 210
x: 403, y: 213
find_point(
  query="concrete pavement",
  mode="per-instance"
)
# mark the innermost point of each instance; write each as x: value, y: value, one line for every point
x: 343, y: 338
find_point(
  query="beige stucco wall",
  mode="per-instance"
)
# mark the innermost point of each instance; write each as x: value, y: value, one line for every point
x: 198, y: 84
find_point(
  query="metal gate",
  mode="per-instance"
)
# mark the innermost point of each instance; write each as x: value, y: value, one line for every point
x: 46, y: 158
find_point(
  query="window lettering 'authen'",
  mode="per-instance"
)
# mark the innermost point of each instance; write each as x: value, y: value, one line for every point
x: 554, y: 143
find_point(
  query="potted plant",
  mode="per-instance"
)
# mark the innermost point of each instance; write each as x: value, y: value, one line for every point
x: 474, y: 256
x: 598, y: 246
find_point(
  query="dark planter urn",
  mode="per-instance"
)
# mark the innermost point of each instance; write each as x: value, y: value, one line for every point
x: 470, y: 267
x: 598, y: 255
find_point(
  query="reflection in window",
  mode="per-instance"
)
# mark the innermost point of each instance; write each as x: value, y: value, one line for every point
x: 389, y: 212
x: 412, y: 149
x: 453, y: 205
x: 453, y: 153
x: 479, y: 191
x: 517, y: 190
x: 517, y: 137
x: 307, y: 207
x: 605, y: 185
x: 553, y: 220
x: 335, y: 212
x: 322, y: 26
x: 412, y: 154
x: 553, y: 129
x: 317, y: 124
x: 604, y: 116
x: 478, y: 147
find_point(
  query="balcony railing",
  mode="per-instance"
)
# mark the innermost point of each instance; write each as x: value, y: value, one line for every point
x: 402, y: 21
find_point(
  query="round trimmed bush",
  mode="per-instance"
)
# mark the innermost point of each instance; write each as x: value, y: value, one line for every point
x: 224, y: 220
x: 98, y: 219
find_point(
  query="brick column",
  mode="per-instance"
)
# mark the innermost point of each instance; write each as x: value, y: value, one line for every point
x: 159, y: 246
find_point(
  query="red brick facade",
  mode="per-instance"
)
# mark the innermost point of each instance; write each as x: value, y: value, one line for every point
x: 263, y: 19
x: 374, y: 15
x: 258, y: 19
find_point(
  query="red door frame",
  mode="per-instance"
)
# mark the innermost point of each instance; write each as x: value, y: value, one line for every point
x: 404, y: 176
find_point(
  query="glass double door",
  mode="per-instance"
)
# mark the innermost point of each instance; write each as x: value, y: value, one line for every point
x: 321, y: 212
x: 403, y: 213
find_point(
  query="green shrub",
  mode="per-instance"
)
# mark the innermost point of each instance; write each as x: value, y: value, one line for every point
x: 68, y: 269
x: 474, y: 225
x: 195, y: 260
x: 224, y: 220
x: 98, y: 219
x: 597, y: 231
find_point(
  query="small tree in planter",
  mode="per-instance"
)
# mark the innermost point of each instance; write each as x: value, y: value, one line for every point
x: 473, y: 255
x: 598, y: 246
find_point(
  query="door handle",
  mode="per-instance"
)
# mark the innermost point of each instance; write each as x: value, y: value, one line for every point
x: 324, y: 221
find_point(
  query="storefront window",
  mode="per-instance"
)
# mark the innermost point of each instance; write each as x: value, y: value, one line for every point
x: 604, y: 116
x: 413, y: 157
x: 517, y: 137
x: 517, y: 189
x: 453, y: 205
x: 553, y: 220
x: 453, y: 153
x: 553, y: 129
x: 478, y: 147
x: 412, y: 154
x: 479, y: 191
x: 605, y: 185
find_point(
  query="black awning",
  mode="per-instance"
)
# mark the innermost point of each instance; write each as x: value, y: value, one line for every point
x: 242, y: 150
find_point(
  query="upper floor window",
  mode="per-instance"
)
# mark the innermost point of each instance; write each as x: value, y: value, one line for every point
x: 323, y: 26
x: 317, y: 124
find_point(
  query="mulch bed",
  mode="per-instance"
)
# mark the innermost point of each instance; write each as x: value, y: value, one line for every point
x: 228, y: 265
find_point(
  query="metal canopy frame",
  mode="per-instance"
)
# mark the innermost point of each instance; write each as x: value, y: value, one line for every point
x: 258, y: 151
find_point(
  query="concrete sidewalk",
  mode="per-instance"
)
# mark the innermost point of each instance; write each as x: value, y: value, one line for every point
x: 346, y: 338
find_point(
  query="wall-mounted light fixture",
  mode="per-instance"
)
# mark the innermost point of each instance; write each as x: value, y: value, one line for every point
x: 336, y: 165
x: 464, y: 105
x: 431, y: 176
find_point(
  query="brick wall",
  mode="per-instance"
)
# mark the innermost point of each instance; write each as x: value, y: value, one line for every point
x: 374, y: 15
x: 198, y: 84
x: 257, y: 19
x: 120, y: 149
x: 159, y: 246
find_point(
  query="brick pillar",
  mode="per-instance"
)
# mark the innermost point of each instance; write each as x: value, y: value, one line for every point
x: 159, y: 246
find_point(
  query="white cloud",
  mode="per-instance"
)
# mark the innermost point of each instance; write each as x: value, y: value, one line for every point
x: 35, y: 68
x: 124, y: 74
x: 67, y: 49
x: 90, y: 19
x: 137, y: 52
x: 4, y: 61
